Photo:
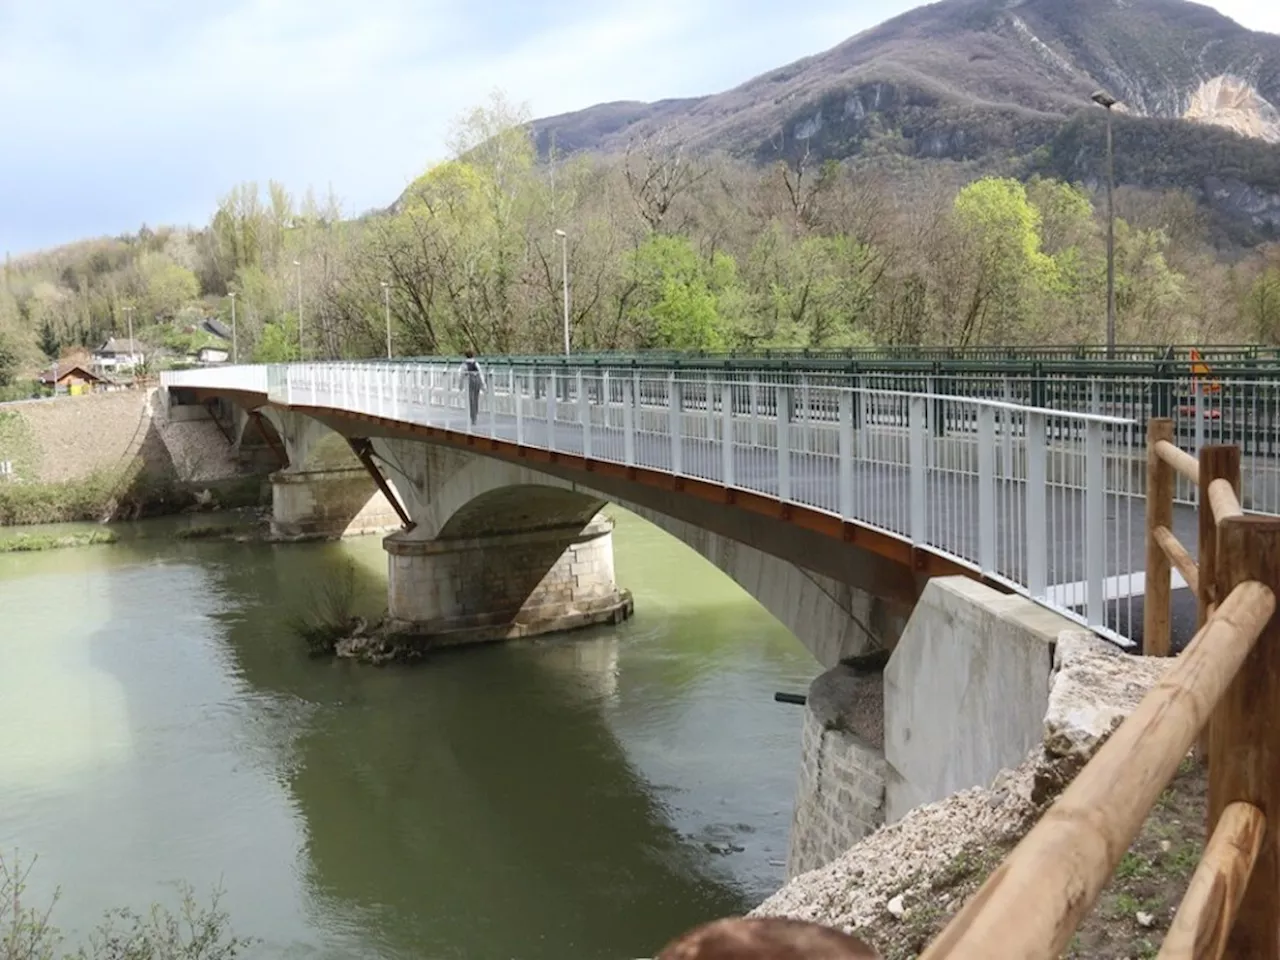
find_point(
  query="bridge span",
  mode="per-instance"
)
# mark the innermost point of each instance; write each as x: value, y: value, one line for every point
x: 873, y: 489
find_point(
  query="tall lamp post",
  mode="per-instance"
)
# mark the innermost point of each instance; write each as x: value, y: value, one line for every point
x: 235, y: 352
x: 1105, y: 100
x: 301, y: 349
x: 564, y: 262
x: 133, y: 348
x: 386, y: 299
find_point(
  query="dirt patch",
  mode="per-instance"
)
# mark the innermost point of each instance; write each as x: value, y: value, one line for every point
x: 1131, y: 917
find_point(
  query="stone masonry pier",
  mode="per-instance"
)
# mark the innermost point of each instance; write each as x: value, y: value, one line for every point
x: 502, y: 586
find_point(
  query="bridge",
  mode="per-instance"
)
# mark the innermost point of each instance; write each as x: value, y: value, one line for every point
x: 872, y: 478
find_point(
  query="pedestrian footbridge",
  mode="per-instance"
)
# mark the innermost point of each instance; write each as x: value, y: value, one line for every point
x: 832, y: 501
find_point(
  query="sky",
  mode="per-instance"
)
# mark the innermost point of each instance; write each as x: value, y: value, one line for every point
x: 132, y: 112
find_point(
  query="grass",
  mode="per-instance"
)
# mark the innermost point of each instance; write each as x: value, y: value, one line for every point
x: 30, y: 542
x: 116, y: 494
x: 1150, y: 880
x: 18, y: 444
x: 331, y: 611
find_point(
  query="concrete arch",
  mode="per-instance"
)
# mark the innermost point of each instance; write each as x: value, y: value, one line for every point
x: 454, y: 494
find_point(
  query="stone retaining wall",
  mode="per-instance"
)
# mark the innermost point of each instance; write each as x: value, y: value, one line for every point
x: 840, y: 795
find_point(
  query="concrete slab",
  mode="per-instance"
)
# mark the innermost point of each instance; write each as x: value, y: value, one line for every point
x: 966, y: 690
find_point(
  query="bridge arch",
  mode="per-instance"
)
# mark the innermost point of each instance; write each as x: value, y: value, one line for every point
x: 455, y: 495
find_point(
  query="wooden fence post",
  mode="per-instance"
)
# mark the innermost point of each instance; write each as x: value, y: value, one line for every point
x: 1216, y: 462
x: 1244, y: 735
x: 1156, y: 627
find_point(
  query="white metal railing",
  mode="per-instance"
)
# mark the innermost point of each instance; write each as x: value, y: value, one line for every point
x: 1045, y: 501
x: 250, y: 379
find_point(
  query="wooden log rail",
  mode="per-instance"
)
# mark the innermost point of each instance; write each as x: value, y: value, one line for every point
x: 1224, y: 688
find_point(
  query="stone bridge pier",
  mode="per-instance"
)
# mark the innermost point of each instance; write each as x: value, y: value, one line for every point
x: 324, y: 492
x: 480, y: 565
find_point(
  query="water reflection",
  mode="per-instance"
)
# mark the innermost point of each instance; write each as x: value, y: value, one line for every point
x: 574, y: 798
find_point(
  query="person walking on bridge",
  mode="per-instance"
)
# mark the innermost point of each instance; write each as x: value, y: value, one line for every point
x: 471, y: 374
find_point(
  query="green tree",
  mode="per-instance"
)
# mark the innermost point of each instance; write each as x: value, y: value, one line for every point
x: 167, y: 287
x: 682, y: 302
x: 1008, y: 272
x: 276, y: 344
x: 1262, y: 306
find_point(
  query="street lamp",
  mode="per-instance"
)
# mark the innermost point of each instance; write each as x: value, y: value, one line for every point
x: 235, y: 352
x: 133, y: 349
x: 386, y: 299
x: 1105, y: 100
x: 301, y: 349
x: 564, y: 261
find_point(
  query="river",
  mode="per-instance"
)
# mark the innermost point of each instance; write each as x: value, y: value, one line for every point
x: 584, y: 797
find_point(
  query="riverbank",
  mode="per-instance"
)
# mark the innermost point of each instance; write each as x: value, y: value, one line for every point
x: 115, y: 457
x: 31, y: 542
x: 898, y: 888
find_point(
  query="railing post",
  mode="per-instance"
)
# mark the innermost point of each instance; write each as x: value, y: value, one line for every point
x: 1037, y: 506
x: 1156, y: 599
x: 860, y: 422
x: 1216, y: 463
x: 1095, y: 525
x: 753, y: 399
x: 711, y: 422
x: 552, y: 388
x: 726, y: 431
x: 918, y: 468
x: 783, y: 395
x: 987, y: 557
x: 518, y: 398
x: 1244, y: 738
x: 844, y: 411
x: 675, y: 394
x: 584, y: 415
x: 629, y: 421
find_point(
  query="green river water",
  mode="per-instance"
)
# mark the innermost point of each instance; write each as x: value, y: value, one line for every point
x: 586, y: 797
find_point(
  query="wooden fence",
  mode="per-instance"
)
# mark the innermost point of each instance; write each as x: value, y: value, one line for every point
x: 1222, y: 692
x: 1225, y: 687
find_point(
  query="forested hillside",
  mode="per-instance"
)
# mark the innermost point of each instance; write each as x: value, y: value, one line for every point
x: 1005, y: 85
x: 665, y: 249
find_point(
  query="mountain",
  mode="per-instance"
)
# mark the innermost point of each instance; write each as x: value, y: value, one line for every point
x: 999, y: 80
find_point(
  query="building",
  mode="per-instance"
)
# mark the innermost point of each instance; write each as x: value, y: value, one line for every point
x: 120, y: 352
x: 212, y: 355
x: 74, y: 378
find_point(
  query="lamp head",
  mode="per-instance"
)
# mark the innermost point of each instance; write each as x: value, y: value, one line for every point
x: 1104, y: 99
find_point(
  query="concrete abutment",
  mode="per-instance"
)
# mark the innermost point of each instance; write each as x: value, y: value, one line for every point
x: 963, y: 696
x: 505, y: 585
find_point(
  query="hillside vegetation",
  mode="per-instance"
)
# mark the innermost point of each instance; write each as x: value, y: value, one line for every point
x: 1005, y: 86
x: 666, y: 249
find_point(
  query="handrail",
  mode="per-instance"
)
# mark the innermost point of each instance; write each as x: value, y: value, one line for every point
x: 1209, y: 908
x: 1032, y: 904
x: 1179, y: 459
x: 1223, y: 500
x: 1179, y: 557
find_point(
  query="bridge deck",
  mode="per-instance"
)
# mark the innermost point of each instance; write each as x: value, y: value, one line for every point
x: 1047, y: 503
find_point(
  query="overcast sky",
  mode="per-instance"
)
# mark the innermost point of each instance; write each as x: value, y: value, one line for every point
x: 124, y: 112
